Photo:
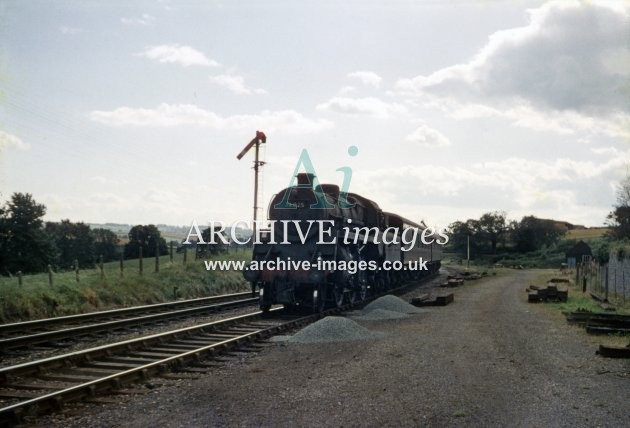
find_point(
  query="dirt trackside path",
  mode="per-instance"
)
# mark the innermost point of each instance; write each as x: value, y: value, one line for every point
x: 488, y: 359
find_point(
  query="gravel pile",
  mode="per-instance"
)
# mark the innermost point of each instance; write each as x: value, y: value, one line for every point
x: 394, y: 304
x: 381, y: 315
x: 333, y: 329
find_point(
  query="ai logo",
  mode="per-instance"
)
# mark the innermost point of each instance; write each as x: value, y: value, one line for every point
x: 322, y: 203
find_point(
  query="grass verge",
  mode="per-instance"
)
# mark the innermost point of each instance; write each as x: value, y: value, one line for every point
x: 36, y: 298
x: 578, y: 301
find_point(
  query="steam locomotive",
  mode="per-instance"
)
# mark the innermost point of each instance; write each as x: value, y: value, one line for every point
x: 315, y: 258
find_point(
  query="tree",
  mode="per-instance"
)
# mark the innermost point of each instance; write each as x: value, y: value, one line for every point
x: 144, y: 237
x: 619, y: 218
x: 532, y: 233
x: 208, y: 235
x: 25, y: 245
x: 4, y: 239
x: 105, y: 243
x: 74, y: 242
x: 459, y: 235
x: 601, y: 250
x: 492, y: 226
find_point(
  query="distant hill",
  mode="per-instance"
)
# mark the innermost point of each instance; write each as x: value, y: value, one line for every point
x: 121, y: 230
x: 586, y: 233
x: 571, y: 226
x: 169, y: 232
x: 579, y: 231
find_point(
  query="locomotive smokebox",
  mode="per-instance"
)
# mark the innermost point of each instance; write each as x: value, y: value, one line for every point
x: 331, y: 189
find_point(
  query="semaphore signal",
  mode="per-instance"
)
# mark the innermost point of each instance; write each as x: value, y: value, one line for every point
x: 259, y: 139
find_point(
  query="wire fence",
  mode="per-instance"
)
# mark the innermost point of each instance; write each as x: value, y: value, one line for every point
x: 609, y: 281
x: 136, y: 266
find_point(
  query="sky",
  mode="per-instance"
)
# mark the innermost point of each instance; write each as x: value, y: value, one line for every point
x: 134, y: 111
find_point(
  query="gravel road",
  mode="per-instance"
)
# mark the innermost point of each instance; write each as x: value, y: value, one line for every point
x: 488, y: 359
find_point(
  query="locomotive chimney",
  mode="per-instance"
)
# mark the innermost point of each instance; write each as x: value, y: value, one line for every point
x: 305, y: 179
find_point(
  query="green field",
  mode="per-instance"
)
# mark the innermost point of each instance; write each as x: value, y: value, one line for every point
x: 35, y: 298
x: 591, y: 233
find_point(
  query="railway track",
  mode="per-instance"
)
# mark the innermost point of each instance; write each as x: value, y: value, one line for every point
x: 43, y: 385
x: 35, y: 387
x: 54, y: 330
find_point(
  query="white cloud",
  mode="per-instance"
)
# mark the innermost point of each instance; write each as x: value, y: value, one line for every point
x: 161, y: 197
x: 368, y: 106
x: 518, y: 185
x: 105, y: 180
x: 69, y: 30
x: 367, y: 78
x: 561, y: 170
x: 164, y: 115
x: 347, y: 90
x: 154, y: 205
x: 177, y: 54
x: 166, y: 4
x: 145, y: 20
x: 105, y: 200
x: 426, y: 136
x: 468, y: 111
x: 235, y: 84
x: 605, y: 151
x: 525, y: 115
x: 550, y: 65
x: 9, y: 141
x: 169, y: 115
x: 567, y: 122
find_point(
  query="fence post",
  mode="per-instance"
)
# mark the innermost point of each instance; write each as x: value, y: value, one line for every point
x: 583, y: 282
x: 76, y: 271
x: 157, y: 256
x: 606, y: 283
x: 171, y: 252
x: 100, y: 266
x: 598, y: 277
x: 577, y: 274
x: 185, y: 254
x: 122, y: 265
x: 19, y: 275
x: 50, y: 275
x: 140, y: 260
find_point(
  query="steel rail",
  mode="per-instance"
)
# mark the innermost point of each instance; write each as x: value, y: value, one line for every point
x: 54, y: 399
x: 112, y: 313
x: 138, y: 358
x: 48, y: 336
